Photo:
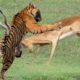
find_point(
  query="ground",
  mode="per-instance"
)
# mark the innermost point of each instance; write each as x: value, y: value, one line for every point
x: 65, y: 64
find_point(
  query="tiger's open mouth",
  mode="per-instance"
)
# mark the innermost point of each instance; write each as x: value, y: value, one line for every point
x: 38, y: 16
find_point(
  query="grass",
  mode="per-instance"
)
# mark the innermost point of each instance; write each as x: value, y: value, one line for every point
x: 65, y: 64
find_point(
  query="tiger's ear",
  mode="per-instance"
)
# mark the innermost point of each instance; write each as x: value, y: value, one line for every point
x: 31, y: 5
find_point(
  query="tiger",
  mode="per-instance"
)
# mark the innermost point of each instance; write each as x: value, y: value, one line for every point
x: 23, y: 22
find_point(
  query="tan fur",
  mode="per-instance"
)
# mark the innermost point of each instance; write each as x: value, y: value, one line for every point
x: 50, y: 37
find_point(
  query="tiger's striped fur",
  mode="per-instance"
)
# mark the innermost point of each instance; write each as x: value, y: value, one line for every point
x: 24, y: 21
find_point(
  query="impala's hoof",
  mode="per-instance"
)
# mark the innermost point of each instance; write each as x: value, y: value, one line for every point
x: 48, y: 62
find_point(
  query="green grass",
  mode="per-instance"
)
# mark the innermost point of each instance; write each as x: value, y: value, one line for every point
x: 65, y: 64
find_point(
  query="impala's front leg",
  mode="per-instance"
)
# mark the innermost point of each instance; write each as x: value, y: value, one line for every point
x: 54, y: 44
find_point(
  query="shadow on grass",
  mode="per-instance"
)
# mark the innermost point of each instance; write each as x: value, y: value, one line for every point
x: 46, y: 77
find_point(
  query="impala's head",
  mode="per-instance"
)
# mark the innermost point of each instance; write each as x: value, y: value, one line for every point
x: 18, y: 51
x: 34, y: 12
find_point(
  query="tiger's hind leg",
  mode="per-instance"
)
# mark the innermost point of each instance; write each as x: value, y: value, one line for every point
x: 7, y: 61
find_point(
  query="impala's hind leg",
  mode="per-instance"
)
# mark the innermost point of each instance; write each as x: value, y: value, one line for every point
x: 36, y: 52
x: 54, y: 44
x: 7, y: 61
x: 37, y: 49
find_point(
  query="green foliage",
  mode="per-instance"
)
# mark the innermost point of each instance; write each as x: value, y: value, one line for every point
x: 65, y: 64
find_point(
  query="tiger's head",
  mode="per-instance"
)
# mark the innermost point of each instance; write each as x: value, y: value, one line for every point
x: 34, y: 11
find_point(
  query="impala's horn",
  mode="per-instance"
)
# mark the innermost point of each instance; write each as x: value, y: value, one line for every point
x: 5, y: 25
